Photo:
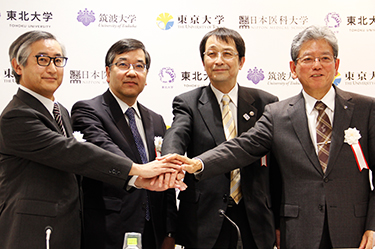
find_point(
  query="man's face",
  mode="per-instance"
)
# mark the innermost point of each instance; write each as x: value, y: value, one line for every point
x: 127, y: 84
x: 222, y: 72
x: 40, y: 79
x: 316, y: 77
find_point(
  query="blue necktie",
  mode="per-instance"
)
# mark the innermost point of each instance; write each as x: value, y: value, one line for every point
x: 140, y: 146
x: 137, y: 137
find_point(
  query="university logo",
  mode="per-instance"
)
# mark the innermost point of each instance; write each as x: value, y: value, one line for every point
x: 332, y: 20
x: 255, y: 75
x: 337, y: 79
x: 167, y: 75
x: 86, y: 17
x: 165, y: 21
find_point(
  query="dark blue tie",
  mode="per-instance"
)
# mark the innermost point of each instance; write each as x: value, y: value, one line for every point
x: 137, y: 137
x: 140, y: 146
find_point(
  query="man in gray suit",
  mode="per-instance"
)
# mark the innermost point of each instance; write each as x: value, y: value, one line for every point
x: 39, y: 157
x: 326, y: 196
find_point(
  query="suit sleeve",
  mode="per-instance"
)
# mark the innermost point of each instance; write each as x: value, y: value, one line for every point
x: 177, y: 138
x: 29, y: 136
x: 242, y: 150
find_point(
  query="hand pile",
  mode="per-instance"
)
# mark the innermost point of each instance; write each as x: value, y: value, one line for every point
x: 165, y: 172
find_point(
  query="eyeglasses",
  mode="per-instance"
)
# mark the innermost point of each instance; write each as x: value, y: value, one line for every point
x: 225, y: 55
x: 138, y: 67
x: 309, y: 60
x: 45, y: 60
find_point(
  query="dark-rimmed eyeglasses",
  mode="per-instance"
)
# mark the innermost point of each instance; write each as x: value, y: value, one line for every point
x: 45, y: 60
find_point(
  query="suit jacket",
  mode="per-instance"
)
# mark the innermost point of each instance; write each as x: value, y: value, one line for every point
x: 111, y: 212
x: 343, y: 192
x: 38, y: 185
x: 197, y: 127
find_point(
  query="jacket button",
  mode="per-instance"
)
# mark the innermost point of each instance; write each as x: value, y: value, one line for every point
x: 225, y: 198
x: 326, y: 179
x: 320, y: 207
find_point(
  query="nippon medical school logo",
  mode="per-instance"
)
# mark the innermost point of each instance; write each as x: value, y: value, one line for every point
x: 86, y: 17
x: 165, y: 21
x: 255, y: 75
x: 332, y: 20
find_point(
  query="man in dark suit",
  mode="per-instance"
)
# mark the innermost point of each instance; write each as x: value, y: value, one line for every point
x: 197, y: 127
x: 327, y: 200
x: 39, y: 157
x: 111, y: 212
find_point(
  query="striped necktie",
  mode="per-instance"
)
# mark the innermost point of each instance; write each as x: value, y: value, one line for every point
x: 58, y: 119
x: 323, y: 134
x: 230, y: 132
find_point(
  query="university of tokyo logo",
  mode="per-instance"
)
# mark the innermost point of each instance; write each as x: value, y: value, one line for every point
x: 167, y: 75
x: 165, y: 21
x: 337, y: 79
x: 332, y: 20
x: 256, y: 75
x: 86, y: 17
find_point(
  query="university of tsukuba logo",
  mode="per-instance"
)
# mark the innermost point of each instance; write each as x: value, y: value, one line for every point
x: 337, y: 79
x: 255, y: 75
x: 167, y: 75
x: 86, y: 17
x: 332, y: 20
x: 165, y: 21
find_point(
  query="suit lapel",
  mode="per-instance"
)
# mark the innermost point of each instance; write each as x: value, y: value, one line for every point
x: 246, y: 113
x: 297, y: 115
x: 149, y: 131
x: 207, y: 104
x: 343, y: 114
x: 114, y: 111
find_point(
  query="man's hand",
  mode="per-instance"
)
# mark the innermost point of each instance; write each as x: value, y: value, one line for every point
x: 156, y: 168
x: 367, y: 240
x: 189, y: 165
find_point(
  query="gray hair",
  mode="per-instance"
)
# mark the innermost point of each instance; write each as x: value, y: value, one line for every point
x: 20, y: 48
x: 313, y: 33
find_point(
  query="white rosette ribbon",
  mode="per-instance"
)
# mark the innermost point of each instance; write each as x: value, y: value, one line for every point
x: 158, y: 141
x: 352, y: 137
x: 78, y: 136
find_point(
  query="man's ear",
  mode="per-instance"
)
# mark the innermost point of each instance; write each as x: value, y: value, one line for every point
x: 17, y: 68
x: 292, y: 66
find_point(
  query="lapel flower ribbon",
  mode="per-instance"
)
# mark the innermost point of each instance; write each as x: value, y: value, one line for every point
x: 352, y: 137
x: 158, y: 142
x: 78, y: 136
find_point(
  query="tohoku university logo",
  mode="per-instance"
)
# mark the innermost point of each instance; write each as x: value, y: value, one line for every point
x: 165, y: 21
x: 167, y: 75
x: 332, y: 20
x: 86, y: 17
x: 337, y: 79
x: 256, y: 75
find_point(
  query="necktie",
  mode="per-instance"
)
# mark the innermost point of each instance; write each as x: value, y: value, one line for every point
x: 323, y: 134
x: 230, y: 132
x: 140, y: 146
x: 57, y: 115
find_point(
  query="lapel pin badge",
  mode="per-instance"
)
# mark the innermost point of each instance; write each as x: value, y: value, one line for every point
x: 248, y: 116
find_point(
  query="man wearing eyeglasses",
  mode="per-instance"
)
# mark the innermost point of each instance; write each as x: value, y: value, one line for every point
x: 324, y: 142
x: 40, y: 159
x: 117, y: 122
x: 201, y: 122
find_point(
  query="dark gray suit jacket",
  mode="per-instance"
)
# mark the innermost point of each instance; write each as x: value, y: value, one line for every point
x: 38, y: 185
x: 197, y: 127
x: 110, y: 212
x: 343, y: 192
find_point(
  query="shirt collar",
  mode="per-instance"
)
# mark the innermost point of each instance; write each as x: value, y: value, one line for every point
x: 233, y: 94
x: 124, y: 107
x: 45, y: 101
x: 328, y: 100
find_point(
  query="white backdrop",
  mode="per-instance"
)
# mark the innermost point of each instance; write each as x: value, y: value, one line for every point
x: 171, y: 32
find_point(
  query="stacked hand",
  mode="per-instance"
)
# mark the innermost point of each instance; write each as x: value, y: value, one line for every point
x: 165, y: 172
